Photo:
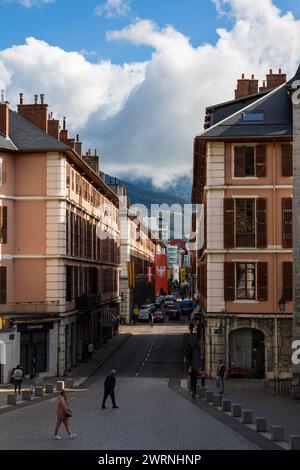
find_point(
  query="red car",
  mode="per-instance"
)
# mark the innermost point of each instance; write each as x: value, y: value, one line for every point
x: 159, y: 316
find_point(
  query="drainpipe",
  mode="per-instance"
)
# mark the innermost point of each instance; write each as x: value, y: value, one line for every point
x: 274, y: 166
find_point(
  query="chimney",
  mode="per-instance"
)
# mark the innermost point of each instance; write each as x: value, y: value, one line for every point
x: 78, y: 146
x: 35, y: 113
x: 4, y: 116
x: 92, y: 160
x: 63, y: 135
x: 246, y: 87
x: 53, y: 127
x: 275, y: 79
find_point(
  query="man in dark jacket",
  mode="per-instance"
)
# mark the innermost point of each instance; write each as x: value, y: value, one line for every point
x: 220, y: 374
x: 109, y: 389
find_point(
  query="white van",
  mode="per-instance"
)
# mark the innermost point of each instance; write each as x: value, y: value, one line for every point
x: 144, y: 312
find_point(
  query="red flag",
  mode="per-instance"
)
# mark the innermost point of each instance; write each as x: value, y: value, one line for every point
x: 149, y: 275
x: 161, y: 274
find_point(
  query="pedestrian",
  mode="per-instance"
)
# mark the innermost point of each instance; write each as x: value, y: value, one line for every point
x: 109, y: 389
x: 152, y: 318
x: 198, y: 330
x: 90, y: 349
x: 18, y: 376
x: 220, y: 374
x: 194, y: 377
x: 135, y: 314
x: 31, y: 383
x: 203, y: 377
x: 63, y: 415
x: 191, y: 327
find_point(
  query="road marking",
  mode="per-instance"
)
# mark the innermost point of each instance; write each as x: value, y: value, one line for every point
x: 146, y: 357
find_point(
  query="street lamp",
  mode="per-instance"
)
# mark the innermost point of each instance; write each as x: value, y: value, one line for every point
x: 282, y: 304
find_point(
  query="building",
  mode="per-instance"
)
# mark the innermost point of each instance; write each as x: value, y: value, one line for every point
x: 59, y: 277
x: 173, y: 252
x: 243, y: 175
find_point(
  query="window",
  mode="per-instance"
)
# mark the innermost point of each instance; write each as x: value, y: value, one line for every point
x: 245, y: 281
x: 3, y: 224
x: 250, y: 161
x: 68, y: 175
x: 287, y: 222
x: 253, y: 116
x: 2, y: 284
x: 245, y: 222
x: 69, y: 284
x: 287, y: 160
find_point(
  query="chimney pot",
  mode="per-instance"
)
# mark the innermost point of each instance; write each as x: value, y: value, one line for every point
x: 42, y: 96
x: 35, y: 99
x: 64, y: 123
x: 77, y: 138
x: 243, y: 76
x: 95, y: 152
x: 271, y: 72
x: 2, y: 96
x: 252, y: 77
x: 21, y: 98
x: 280, y: 71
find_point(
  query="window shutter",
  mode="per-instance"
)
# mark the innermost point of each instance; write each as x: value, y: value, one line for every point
x: 239, y: 162
x: 287, y: 276
x: 261, y: 223
x: 287, y: 160
x: 229, y: 281
x: 262, y: 282
x: 287, y: 222
x: 261, y: 161
x: 3, y: 292
x: 229, y: 223
x: 3, y: 224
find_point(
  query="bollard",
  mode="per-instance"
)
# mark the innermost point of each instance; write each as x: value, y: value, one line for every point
x: 26, y: 395
x: 49, y: 388
x: 12, y: 399
x: 216, y: 400
x: 69, y: 383
x: 226, y: 405
x: 209, y: 397
x: 277, y: 433
x: 202, y: 393
x: 261, y: 425
x: 236, y: 411
x: 60, y: 385
x: 38, y: 382
x: 294, y: 442
x: 39, y: 391
x: 246, y: 416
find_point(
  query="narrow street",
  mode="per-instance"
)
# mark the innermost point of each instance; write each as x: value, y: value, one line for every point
x: 153, y: 412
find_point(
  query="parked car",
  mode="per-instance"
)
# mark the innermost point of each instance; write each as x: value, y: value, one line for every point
x: 186, y: 307
x: 159, y: 316
x: 145, y: 311
x: 173, y: 313
x: 159, y: 301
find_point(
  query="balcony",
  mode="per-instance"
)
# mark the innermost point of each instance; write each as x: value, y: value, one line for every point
x: 29, y: 307
x: 88, y: 302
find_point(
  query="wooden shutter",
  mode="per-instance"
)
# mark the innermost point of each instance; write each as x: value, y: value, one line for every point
x: 3, y: 179
x: 287, y: 160
x: 262, y: 282
x: 287, y: 222
x: 3, y: 224
x: 261, y: 223
x: 287, y: 280
x: 229, y: 223
x: 3, y: 293
x: 239, y: 162
x: 261, y: 161
x: 229, y: 281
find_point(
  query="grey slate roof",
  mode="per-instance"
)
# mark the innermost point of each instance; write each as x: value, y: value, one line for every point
x: 26, y: 136
x: 6, y: 144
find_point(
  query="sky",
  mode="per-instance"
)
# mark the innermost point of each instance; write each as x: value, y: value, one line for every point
x: 133, y: 77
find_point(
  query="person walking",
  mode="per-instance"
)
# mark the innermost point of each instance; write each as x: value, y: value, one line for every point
x: 194, y: 377
x: 109, y: 389
x: 135, y: 314
x: 152, y: 319
x: 203, y: 377
x: 31, y: 383
x: 191, y: 327
x: 63, y: 415
x: 220, y: 374
x: 90, y: 349
x: 18, y: 376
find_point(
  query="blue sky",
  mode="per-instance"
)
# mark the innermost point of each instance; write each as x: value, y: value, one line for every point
x: 73, y: 25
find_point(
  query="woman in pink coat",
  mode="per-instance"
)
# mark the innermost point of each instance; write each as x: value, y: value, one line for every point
x: 63, y: 413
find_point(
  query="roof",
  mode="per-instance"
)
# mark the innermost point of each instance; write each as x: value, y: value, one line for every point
x: 6, y: 144
x: 277, y: 109
x: 26, y: 136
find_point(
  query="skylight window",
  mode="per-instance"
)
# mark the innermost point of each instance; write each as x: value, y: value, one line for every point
x: 253, y: 116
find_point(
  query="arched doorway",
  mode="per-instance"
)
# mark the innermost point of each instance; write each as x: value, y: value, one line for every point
x: 247, y: 353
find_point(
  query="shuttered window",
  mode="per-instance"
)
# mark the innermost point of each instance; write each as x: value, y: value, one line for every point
x: 68, y: 176
x: 3, y: 293
x: 229, y: 281
x: 287, y: 222
x: 262, y: 282
x: 245, y: 281
x: 287, y: 160
x: 3, y: 171
x: 261, y: 161
x: 287, y: 280
x: 69, y: 284
x: 245, y: 222
x: 250, y: 161
x: 261, y: 223
x: 3, y: 224
x: 229, y: 223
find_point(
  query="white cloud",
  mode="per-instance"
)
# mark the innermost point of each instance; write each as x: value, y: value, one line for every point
x: 143, y: 116
x: 112, y: 8
x: 31, y: 3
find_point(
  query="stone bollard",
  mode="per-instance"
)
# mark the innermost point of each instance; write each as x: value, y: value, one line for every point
x: 226, y: 405
x: 266, y: 384
x: 49, y: 388
x: 247, y: 416
x: 209, y: 397
x: 12, y: 399
x: 216, y: 400
x: 39, y: 391
x: 26, y: 395
x: 236, y: 411
x: 202, y: 393
x: 60, y: 385
x: 261, y: 425
x: 277, y: 433
x: 294, y: 442
x: 69, y: 383
x: 38, y: 382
